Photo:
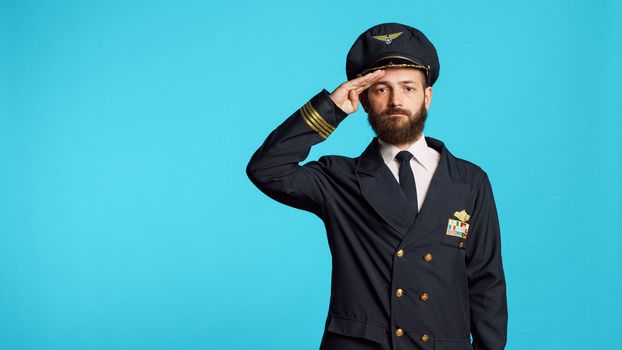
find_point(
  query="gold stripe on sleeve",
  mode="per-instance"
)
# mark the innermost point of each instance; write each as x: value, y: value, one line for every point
x: 311, y: 123
x: 319, y: 118
x: 317, y: 122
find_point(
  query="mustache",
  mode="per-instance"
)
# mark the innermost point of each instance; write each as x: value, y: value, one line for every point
x: 396, y: 110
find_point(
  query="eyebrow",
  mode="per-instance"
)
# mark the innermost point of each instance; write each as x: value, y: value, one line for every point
x: 399, y: 82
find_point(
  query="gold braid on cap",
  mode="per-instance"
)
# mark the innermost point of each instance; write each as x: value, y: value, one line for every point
x: 396, y: 65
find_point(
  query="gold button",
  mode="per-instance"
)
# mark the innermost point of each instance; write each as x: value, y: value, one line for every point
x: 399, y: 293
x: 400, y: 253
x: 461, y: 245
x: 399, y: 332
x: 427, y: 257
x: 424, y: 297
x: 425, y: 338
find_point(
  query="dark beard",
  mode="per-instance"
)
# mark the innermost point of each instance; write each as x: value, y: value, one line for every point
x: 393, y: 129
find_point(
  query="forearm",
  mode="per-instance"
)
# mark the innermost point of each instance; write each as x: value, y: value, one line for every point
x: 487, y: 287
x: 275, y: 169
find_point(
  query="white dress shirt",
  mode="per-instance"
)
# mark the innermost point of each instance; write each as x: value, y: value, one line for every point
x: 423, y: 163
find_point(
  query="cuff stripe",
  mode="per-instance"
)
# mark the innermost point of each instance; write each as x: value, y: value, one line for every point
x: 319, y: 118
x: 315, y: 121
x: 310, y: 123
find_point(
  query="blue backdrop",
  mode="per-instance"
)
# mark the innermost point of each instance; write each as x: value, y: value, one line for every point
x: 126, y: 218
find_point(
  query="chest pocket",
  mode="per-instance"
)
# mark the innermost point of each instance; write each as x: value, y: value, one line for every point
x: 453, y: 241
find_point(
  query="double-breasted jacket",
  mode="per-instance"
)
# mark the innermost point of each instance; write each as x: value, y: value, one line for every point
x: 401, y: 280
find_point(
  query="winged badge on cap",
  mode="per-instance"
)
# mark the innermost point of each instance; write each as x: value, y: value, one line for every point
x: 388, y: 38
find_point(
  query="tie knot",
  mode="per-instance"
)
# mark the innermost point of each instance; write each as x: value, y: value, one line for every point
x: 403, y: 156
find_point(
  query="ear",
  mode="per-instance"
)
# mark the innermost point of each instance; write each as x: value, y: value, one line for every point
x: 427, y: 97
x: 364, y: 101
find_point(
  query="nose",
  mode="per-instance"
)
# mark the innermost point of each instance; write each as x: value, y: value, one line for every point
x: 396, y: 99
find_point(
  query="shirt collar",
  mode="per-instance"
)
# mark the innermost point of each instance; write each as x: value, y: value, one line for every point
x: 419, y: 150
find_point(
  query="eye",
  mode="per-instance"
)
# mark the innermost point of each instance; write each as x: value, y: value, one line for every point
x: 408, y: 88
x: 380, y: 90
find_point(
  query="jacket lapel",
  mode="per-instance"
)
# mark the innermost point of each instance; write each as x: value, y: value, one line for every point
x: 447, y: 194
x: 379, y: 187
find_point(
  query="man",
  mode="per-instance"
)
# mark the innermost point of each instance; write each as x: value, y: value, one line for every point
x: 413, y: 230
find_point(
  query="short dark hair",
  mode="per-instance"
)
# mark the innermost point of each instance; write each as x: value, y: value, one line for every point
x: 425, y: 81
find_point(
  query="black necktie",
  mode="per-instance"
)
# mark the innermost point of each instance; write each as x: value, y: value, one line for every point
x: 407, y: 179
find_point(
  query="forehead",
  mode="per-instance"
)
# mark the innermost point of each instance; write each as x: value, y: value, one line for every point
x: 396, y: 75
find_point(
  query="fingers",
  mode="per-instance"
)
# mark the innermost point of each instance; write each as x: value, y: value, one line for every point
x: 352, y: 88
x: 362, y: 83
x: 353, y: 96
x: 369, y: 76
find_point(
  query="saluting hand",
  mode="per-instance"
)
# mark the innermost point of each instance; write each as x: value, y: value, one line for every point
x: 346, y: 96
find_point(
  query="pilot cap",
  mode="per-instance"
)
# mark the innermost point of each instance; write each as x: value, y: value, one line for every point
x: 390, y: 45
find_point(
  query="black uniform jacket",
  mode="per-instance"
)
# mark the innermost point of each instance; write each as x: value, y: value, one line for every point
x: 396, y: 280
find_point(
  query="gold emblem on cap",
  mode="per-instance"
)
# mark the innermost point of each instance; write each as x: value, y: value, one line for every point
x: 462, y: 216
x: 388, y: 38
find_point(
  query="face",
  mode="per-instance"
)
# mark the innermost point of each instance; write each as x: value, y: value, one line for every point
x: 397, y: 105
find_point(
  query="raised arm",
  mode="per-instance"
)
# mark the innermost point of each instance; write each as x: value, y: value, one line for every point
x: 275, y: 169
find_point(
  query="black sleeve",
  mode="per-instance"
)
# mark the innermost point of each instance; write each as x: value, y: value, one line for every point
x: 275, y: 169
x: 487, y: 289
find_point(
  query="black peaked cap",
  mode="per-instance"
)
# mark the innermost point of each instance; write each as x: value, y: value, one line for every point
x: 392, y: 45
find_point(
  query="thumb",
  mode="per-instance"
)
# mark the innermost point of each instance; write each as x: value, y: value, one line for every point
x: 353, y: 96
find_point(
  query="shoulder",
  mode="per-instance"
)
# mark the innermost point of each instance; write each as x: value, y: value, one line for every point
x: 336, y: 163
x: 469, y: 170
x: 475, y: 177
x: 459, y: 168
